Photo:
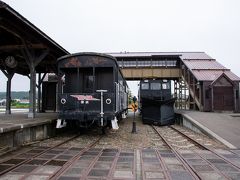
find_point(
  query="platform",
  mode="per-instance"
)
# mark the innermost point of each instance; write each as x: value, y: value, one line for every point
x: 225, y: 127
x: 17, y: 129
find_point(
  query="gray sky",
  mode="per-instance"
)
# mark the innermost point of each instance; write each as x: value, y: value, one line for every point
x: 211, y: 26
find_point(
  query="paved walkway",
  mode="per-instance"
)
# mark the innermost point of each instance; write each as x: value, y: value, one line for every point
x: 225, y: 125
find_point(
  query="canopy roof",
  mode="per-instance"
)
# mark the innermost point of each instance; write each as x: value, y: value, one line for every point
x: 17, y: 33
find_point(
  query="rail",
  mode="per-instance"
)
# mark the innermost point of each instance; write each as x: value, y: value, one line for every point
x: 189, y: 168
x: 37, y: 155
x: 205, y: 147
x: 58, y: 173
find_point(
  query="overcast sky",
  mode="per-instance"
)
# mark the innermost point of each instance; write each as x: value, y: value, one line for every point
x: 212, y: 26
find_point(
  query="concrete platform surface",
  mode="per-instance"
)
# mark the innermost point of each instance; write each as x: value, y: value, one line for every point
x: 17, y: 121
x: 222, y: 126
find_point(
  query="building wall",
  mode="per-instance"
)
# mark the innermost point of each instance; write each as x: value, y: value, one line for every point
x: 207, y: 96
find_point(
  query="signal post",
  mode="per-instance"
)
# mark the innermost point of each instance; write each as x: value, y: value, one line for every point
x: 134, y: 108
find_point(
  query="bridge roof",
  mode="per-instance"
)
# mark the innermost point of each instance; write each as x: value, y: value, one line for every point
x: 182, y: 55
x: 212, y: 75
x: 208, y: 64
x: 208, y: 70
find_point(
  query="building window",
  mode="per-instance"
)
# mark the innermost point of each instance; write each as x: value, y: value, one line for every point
x: 237, y: 94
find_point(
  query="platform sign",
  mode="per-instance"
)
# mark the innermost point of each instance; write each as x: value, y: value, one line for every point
x: 134, y: 107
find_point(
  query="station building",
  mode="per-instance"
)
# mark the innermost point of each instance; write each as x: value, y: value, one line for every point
x: 200, y: 82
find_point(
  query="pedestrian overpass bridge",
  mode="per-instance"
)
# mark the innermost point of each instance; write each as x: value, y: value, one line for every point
x: 200, y: 82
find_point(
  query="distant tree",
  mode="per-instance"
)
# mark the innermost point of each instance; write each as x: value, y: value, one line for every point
x: 14, y: 102
x: 16, y: 95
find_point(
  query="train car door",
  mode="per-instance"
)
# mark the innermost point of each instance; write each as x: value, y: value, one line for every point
x: 49, y: 96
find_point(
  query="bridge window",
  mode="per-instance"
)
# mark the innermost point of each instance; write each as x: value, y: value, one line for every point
x: 120, y: 63
x: 171, y: 63
x: 155, y: 86
x: 155, y: 63
x: 129, y: 63
x: 162, y: 63
x: 144, y: 63
x: 145, y: 86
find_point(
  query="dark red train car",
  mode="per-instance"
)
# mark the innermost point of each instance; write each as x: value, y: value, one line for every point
x: 92, y: 90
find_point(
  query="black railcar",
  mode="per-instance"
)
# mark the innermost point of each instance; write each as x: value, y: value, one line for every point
x: 92, y: 90
x: 156, y: 102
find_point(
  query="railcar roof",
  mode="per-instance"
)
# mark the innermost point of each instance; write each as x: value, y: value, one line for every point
x: 87, y: 54
x: 90, y: 54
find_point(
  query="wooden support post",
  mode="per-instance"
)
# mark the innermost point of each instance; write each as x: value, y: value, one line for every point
x: 32, y: 60
x: 234, y: 98
x: 194, y: 93
x: 39, y: 93
x: 9, y: 75
x: 212, y: 98
x: 39, y: 86
x: 32, y: 94
x: 200, y: 96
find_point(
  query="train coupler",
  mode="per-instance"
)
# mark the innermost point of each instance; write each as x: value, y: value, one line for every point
x: 124, y: 115
x: 114, y: 123
x: 61, y: 123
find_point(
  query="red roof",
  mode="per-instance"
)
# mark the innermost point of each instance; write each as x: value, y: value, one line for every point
x: 203, y: 64
x: 182, y: 55
x: 211, y: 75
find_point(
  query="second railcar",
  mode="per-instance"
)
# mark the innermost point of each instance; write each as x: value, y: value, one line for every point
x: 156, y: 102
x: 92, y: 90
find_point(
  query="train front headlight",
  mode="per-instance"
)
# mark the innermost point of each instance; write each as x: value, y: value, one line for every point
x: 63, y: 101
x: 108, y: 101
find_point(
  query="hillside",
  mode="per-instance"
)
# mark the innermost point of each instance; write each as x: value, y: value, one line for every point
x: 16, y: 95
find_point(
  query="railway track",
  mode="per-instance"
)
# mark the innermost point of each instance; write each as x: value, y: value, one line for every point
x: 37, y: 153
x: 199, y: 159
x: 204, y: 147
x: 66, y: 166
x: 191, y: 171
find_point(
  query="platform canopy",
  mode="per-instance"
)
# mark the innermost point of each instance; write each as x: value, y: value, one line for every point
x: 25, y: 50
x: 20, y: 38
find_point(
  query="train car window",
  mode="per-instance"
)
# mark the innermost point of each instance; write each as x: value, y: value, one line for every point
x: 71, y: 78
x: 165, y: 86
x: 155, y: 86
x: 104, y: 78
x: 145, y: 86
x: 88, y: 83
